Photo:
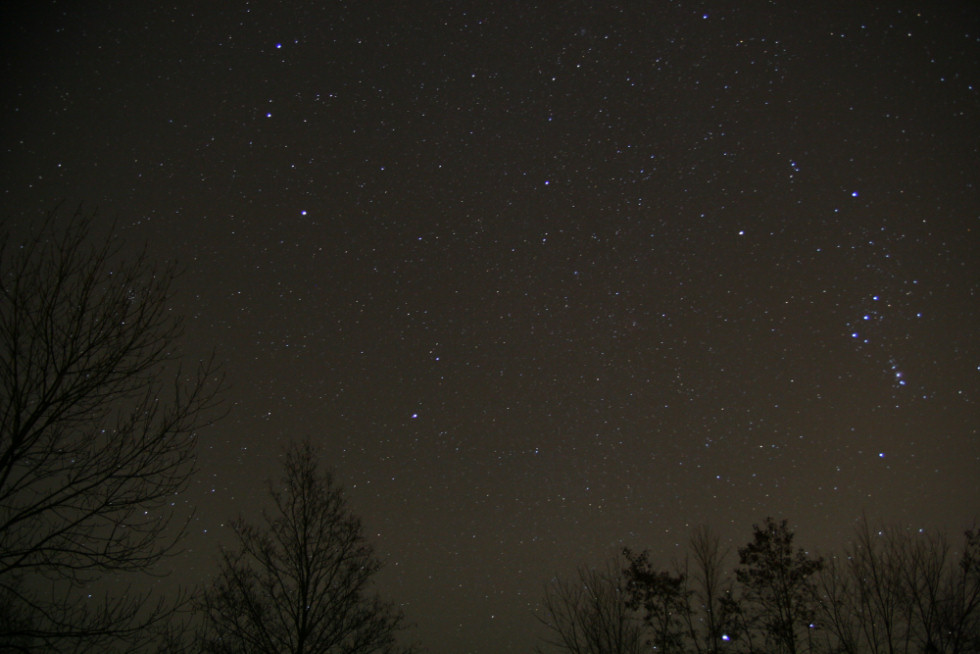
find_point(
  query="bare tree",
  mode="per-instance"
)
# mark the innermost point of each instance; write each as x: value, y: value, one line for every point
x: 862, y: 595
x: 300, y: 583
x: 842, y: 622
x: 662, y: 599
x: 691, y: 607
x: 711, y: 623
x: 776, y: 583
x: 961, y: 614
x: 944, y: 592
x: 97, y: 433
x: 590, y: 615
x: 896, y: 592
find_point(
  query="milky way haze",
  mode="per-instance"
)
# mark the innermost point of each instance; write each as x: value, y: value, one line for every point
x: 542, y: 282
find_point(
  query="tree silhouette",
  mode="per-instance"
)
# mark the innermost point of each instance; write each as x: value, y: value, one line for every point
x: 590, y: 614
x: 661, y: 598
x: 711, y: 610
x: 97, y: 434
x: 776, y: 583
x: 890, y: 591
x: 300, y: 583
x: 691, y: 608
x: 896, y: 590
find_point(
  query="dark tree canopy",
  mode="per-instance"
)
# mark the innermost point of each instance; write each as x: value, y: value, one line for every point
x: 690, y: 608
x: 97, y: 432
x: 301, y: 582
x: 891, y: 591
x: 777, y: 586
x: 660, y: 598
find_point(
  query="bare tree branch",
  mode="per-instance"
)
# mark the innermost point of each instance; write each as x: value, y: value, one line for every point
x: 97, y: 430
x: 300, y: 583
x: 589, y: 614
x: 776, y: 582
x: 896, y: 591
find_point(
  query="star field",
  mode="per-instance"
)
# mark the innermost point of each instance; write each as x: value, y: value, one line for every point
x: 542, y: 282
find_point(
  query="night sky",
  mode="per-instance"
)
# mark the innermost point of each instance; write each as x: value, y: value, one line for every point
x: 541, y: 281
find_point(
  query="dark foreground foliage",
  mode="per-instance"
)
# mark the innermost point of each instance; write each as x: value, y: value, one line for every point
x: 890, y: 591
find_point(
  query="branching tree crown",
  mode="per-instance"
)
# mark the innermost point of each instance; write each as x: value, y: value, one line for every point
x: 590, y: 614
x: 902, y: 591
x: 661, y: 598
x: 690, y: 608
x: 300, y: 583
x: 97, y: 431
x: 892, y: 590
x: 776, y: 582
